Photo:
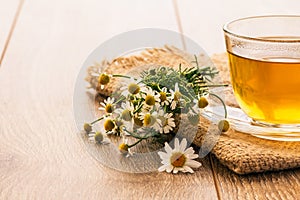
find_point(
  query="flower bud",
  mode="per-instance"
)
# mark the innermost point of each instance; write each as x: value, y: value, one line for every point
x: 104, y: 79
x: 134, y: 88
x: 202, y: 102
x: 98, y: 137
x: 87, y: 127
x: 123, y: 148
x: 126, y: 115
x: 223, y: 125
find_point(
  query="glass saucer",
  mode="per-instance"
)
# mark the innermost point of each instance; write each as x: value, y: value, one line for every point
x: 239, y: 121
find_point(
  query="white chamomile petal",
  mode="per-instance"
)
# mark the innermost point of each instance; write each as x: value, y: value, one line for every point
x: 173, y: 105
x: 176, y: 144
x: 193, y: 163
x: 192, y: 156
x: 163, y: 155
x: 188, y: 169
x: 179, y: 158
x: 168, y: 148
x: 183, y: 144
x: 169, y: 168
x: 190, y: 150
x: 162, y: 168
x: 175, y: 170
x: 167, y: 129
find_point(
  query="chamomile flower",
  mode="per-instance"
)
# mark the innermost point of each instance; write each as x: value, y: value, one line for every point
x: 98, y: 138
x: 124, y: 148
x: 167, y: 122
x: 178, y: 159
x: 164, y: 98
x: 132, y: 87
x: 108, y: 105
x: 151, y: 120
x: 109, y: 124
x: 103, y: 80
x: 151, y: 97
x: 175, y: 96
x: 126, y: 111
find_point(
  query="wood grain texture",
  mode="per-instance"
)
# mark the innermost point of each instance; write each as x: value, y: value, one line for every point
x: 273, y: 185
x: 8, y: 12
x: 41, y: 153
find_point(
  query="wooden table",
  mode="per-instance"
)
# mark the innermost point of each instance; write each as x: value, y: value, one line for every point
x: 43, y: 44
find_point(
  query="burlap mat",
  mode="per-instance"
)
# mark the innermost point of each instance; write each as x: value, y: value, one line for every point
x: 240, y: 152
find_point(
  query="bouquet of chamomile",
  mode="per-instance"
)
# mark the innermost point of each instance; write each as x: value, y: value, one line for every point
x: 151, y: 107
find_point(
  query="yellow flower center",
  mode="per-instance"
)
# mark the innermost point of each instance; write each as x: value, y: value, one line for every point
x: 202, y: 102
x: 149, y: 100
x: 149, y: 120
x: 126, y: 115
x: 109, y: 108
x: 178, y: 159
x: 109, y: 125
x: 177, y: 96
x: 104, y: 79
x: 163, y: 96
x: 134, y: 88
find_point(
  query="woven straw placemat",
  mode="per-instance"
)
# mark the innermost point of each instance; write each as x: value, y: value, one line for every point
x: 240, y: 152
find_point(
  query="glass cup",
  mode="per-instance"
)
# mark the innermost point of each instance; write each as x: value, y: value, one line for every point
x: 264, y: 58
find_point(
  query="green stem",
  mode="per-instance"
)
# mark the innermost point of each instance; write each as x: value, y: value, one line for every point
x: 223, y: 103
x: 138, y: 108
x: 217, y: 85
x: 179, y: 67
x: 121, y: 99
x: 135, y: 136
x: 122, y: 76
x: 139, y: 137
x: 97, y: 120
x: 196, y: 61
x: 132, y: 145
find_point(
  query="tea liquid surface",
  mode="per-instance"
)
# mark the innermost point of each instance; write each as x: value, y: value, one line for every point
x: 267, y: 89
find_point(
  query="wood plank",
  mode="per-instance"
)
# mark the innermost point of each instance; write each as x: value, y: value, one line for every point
x: 203, y: 21
x: 41, y: 153
x: 8, y: 11
x: 271, y: 185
